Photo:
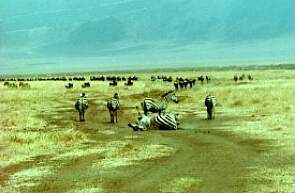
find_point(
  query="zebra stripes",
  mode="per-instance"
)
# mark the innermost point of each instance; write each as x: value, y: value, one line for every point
x: 113, y: 106
x: 166, y: 121
x: 157, y: 106
x: 163, y: 121
x: 81, y: 106
x: 210, y: 103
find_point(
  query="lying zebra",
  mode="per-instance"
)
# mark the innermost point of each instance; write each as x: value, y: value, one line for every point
x: 210, y: 103
x: 154, y: 105
x: 113, y: 106
x: 163, y: 122
x: 81, y: 106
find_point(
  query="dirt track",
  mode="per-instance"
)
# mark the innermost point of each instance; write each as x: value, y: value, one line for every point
x: 207, y: 155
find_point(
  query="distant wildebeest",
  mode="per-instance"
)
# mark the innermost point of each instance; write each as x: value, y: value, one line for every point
x: 207, y: 79
x: 176, y: 85
x: 242, y: 77
x: 20, y: 79
x: 185, y: 83
x: 201, y: 78
x: 113, y: 106
x: 250, y: 77
x: 114, y: 83
x: 181, y: 83
x: 69, y: 85
x: 163, y: 121
x: 81, y: 106
x: 158, y: 105
x: 134, y: 78
x: 236, y: 78
x: 210, y: 103
x: 10, y: 85
x: 191, y: 83
x: 153, y: 78
x: 79, y: 78
x: 24, y: 85
x: 85, y: 85
x: 129, y: 83
x: 167, y: 79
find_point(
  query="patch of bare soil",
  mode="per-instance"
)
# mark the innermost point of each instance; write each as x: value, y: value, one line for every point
x: 205, y: 157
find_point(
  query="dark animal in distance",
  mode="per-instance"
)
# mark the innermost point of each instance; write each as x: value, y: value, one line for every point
x: 69, y: 85
x: 129, y: 83
x: 10, y: 85
x: 85, y: 85
x: 114, y: 83
x: 201, y: 78
x: 236, y: 78
x: 24, y: 85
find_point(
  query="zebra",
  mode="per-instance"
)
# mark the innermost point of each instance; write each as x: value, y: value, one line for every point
x: 163, y: 122
x: 154, y: 105
x: 210, y: 103
x: 113, y: 106
x: 81, y: 106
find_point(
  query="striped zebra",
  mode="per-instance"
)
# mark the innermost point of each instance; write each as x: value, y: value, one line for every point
x: 113, y: 106
x: 154, y: 105
x: 210, y: 103
x: 163, y: 122
x: 81, y: 106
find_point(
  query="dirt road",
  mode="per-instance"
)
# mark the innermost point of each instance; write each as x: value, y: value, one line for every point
x: 207, y: 158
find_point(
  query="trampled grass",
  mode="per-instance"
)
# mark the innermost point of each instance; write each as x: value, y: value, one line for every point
x: 41, y: 121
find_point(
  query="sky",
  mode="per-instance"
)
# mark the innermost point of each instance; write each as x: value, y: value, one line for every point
x: 96, y: 35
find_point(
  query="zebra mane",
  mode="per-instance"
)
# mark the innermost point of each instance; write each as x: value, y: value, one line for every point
x: 167, y: 93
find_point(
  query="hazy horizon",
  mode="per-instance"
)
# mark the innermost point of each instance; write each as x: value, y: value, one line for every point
x: 38, y: 36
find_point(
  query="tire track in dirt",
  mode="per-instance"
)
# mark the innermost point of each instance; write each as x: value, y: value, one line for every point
x: 217, y: 158
x: 199, y: 156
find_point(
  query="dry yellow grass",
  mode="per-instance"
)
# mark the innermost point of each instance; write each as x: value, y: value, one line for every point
x: 41, y: 121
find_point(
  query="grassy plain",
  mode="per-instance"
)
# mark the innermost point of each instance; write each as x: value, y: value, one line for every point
x: 249, y: 147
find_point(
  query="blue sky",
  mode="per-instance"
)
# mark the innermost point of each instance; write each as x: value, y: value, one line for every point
x: 61, y: 36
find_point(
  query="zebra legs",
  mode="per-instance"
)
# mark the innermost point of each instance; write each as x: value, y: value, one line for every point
x: 209, y: 114
x: 112, y: 116
x: 116, y: 116
x: 81, y: 115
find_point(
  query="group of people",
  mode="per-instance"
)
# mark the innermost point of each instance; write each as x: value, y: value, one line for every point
x: 146, y: 120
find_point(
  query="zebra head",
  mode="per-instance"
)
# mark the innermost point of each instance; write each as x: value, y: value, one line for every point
x: 171, y: 96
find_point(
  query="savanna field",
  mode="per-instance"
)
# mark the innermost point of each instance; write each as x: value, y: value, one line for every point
x: 248, y: 147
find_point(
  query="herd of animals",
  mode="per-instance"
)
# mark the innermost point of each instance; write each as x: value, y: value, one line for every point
x: 147, y: 120
x: 153, y: 116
